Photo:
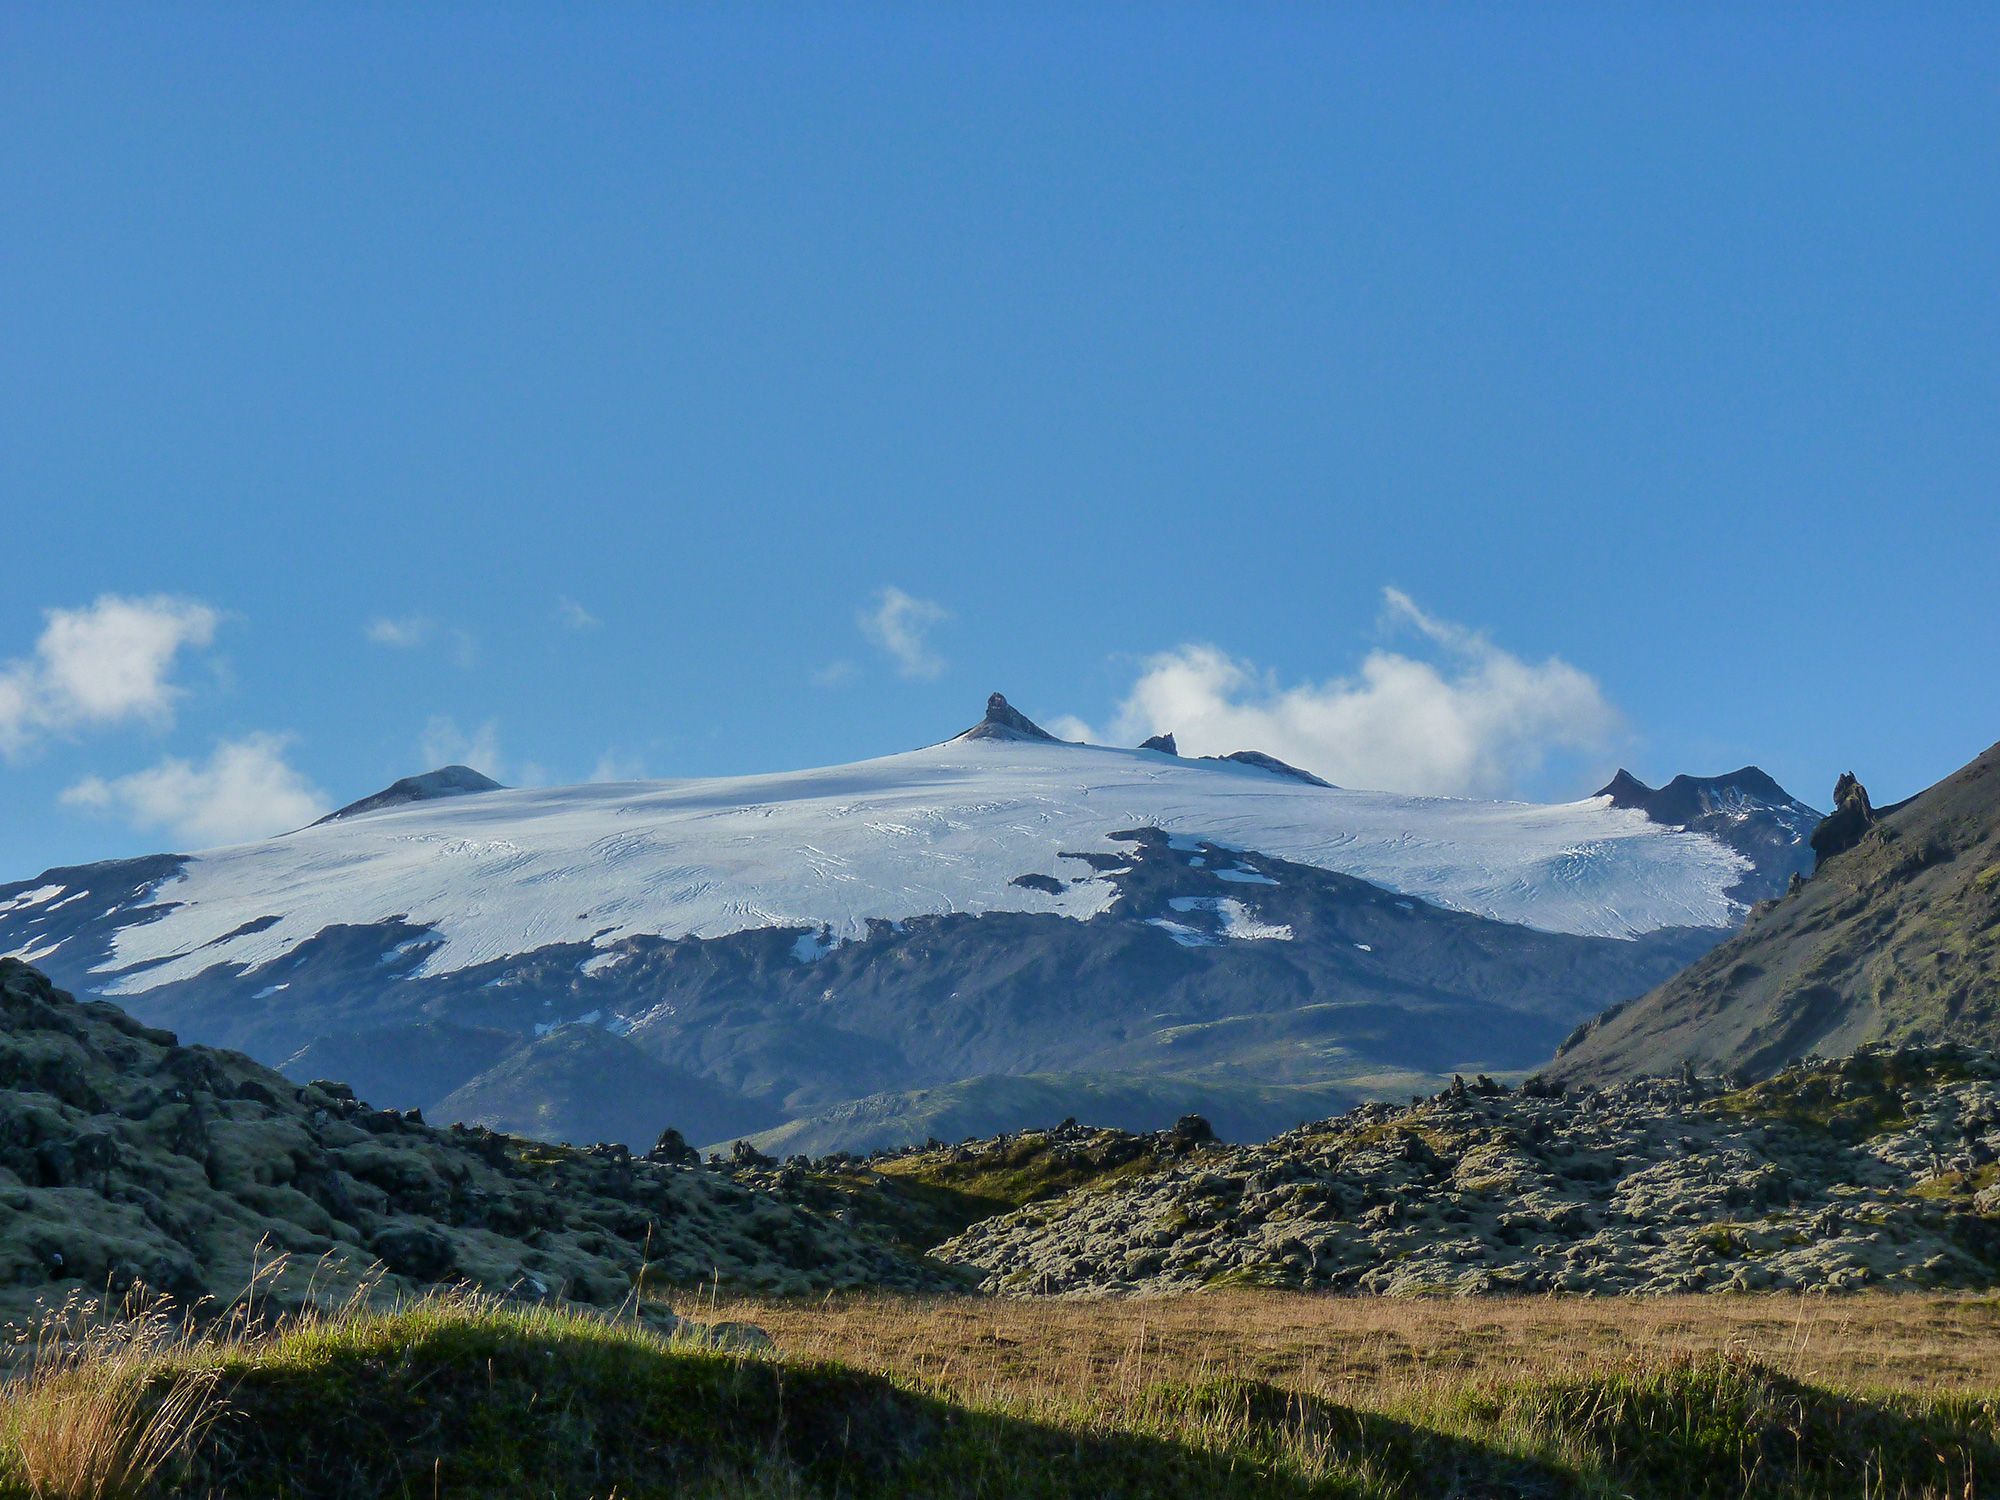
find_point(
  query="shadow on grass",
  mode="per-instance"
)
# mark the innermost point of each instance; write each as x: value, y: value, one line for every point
x: 493, y: 1409
x: 1720, y: 1429
x: 427, y: 1404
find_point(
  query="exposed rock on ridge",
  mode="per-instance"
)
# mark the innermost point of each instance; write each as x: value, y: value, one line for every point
x: 1852, y: 816
x: 1003, y: 721
x: 445, y: 781
x: 1746, y: 809
x: 1263, y: 762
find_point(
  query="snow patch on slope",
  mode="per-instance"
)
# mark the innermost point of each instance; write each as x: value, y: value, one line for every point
x: 35, y: 897
x: 1236, y: 919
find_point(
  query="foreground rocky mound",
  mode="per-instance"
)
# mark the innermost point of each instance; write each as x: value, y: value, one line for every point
x: 125, y: 1157
x: 1895, y: 938
x: 1880, y: 1169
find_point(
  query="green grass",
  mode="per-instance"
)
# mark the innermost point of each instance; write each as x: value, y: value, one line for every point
x: 455, y: 1398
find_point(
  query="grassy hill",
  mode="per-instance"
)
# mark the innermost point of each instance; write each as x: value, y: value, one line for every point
x: 459, y: 1398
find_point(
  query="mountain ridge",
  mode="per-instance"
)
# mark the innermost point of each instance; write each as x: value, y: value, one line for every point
x: 1001, y: 904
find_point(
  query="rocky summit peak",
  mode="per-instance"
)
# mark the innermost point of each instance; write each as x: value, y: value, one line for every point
x: 1625, y: 789
x: 1688, y: 794
x: 445, y: 781
x: 1003, y: 721
x: 1745, y: 808
x: 1164, y: 743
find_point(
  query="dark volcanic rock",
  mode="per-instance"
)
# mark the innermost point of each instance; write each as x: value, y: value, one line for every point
x: 1852, y: 816
x: 1005, y: 722
x: 445, y: 781
x: 1866, y: 1172
x: 1164, y: 743
x: 1745, y: 809
x: 1272, y: 764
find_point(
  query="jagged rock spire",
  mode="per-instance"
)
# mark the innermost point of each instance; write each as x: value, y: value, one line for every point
x: 1164, y: 743
x: 1852, y: 816
x: 1003, y: 721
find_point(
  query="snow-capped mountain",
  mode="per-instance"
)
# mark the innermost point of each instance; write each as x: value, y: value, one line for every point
x: 998, y: 904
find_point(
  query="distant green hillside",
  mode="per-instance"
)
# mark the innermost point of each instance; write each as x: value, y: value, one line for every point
x: 995, y: 1104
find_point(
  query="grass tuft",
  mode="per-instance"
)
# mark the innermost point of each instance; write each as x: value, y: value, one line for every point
x: 91, y: 1416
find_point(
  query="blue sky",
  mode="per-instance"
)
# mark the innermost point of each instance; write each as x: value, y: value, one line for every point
x: 1469, y: 398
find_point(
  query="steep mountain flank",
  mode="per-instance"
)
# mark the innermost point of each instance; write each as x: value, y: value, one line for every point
x: 581, y: 1083
x: 1896, y: 937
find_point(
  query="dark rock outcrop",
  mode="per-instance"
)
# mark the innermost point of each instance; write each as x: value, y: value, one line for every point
x: 445, y: 781
x: 1851, y: 818
x: 1005, y: 722
x: 1745, y: 809
x: 1164, y: 743
x: 1873, y: 1171
x: 1271, y: 763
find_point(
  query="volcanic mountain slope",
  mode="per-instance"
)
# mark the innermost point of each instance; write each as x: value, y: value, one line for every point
x: 126, y: 1157
x: 1227, y: 934
x: 1896, y: 937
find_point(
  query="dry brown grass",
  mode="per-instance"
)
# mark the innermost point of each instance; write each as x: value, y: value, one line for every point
x: 1378, y: 1352
x: 87, y: 1415
x: 461, y: 1394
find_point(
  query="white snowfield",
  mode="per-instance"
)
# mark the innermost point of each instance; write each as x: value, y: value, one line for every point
x: 944, y: 829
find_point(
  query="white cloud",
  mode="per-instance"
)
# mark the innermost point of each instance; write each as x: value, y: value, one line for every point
x: 574, y: 615
x: 401, y: 634
x: 901, y: 624
x: 1475, y: 721
x: 613, y: 765
x: 407, y: 632
x: 444, y: 743
x: 110, y: 662
x: 1070, y: 727
x: 245, y: 790
x: 835, y: 674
